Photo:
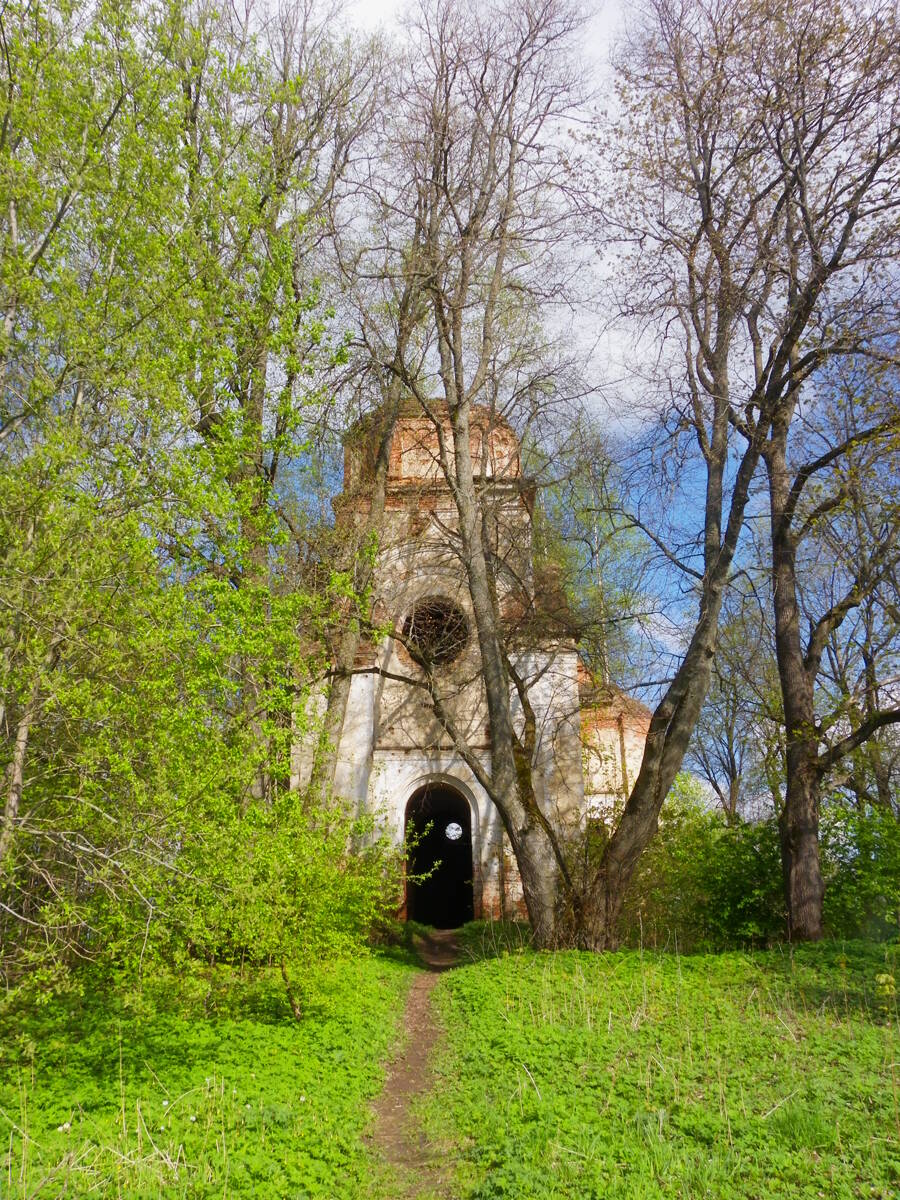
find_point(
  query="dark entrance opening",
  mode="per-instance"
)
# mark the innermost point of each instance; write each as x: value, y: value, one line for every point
x: 439, y: 819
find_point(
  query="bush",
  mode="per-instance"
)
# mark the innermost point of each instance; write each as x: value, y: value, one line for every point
x: 715, y: 886
x: 287, y: 884
x: 704, y: 883
x: 861, y: 865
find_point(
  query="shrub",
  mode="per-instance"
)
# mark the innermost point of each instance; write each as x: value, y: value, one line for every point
x: 704, y: 883
x: 861, y: 865
x: 712, y: 885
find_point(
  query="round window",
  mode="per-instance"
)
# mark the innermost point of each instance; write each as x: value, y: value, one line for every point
x: 454, y: 831
x: 437, y: 630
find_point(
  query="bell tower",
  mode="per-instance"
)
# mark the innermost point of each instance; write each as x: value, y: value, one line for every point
x: 395, y: 759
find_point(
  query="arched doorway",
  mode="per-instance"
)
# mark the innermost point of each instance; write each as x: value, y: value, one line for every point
x: 438, y: 818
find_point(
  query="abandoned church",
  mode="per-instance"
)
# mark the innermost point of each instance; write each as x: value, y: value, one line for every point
x: 394, y: 758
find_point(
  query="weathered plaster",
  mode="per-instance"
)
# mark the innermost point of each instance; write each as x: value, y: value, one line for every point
x: 590, y: 741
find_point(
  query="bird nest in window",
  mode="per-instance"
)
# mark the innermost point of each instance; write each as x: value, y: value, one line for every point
x: 436, y: 631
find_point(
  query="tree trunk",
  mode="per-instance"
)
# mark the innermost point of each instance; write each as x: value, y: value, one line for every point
x: 251, y: 473
x: 524, y: 823
x: 882, y: 774
x: 676, y: 715
x: 670, y: 732
x: 15, y: 777
x: 799, y: 831
x: 799, y: 818
x: 15, y: 772
x: 875, y: 757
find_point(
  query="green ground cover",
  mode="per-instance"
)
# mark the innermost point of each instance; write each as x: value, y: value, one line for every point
x: 735, y: 1075
x: 199, y: 1087
x: 757, y: 1075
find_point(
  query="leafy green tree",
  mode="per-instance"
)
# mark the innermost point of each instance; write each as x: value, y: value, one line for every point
x: 94, y: 462
x: 158, y: 339
x: 861, y: 867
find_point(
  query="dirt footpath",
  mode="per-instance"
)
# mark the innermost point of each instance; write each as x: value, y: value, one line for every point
x: 420, y: 1170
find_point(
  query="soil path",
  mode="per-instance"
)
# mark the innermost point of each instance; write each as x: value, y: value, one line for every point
x: 420, y: 1169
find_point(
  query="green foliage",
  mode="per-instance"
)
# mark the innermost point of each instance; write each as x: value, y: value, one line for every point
x: 156, y: 355
x: 288, y: 884
x: 861, y: 867
x: 200, y: 1085
x: 642, y: 1075
x: 703, y: 883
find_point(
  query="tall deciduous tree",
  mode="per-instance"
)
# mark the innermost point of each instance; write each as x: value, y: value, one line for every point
x: 750, y: 184
x: 274, y: 106
x: 91, y: 428
x: 468, y: 220
x: 832, y: 495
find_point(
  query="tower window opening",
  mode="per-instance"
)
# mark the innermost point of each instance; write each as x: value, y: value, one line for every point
x: 437, y: 630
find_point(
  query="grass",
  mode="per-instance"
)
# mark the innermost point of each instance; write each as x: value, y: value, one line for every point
x: 635, y: 1075
x: 198, y: 1088
x: 746, y: 1076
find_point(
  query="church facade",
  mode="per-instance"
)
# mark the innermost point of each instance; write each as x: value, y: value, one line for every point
x: 394, y: 759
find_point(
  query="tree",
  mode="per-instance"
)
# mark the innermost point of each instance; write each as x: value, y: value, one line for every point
x: 750, y: 185
x: 859, y: 672
x: 601, y: 568
x: 737, y: 747
x: 267, y: 144
x: 854, y: 455
x: 89, y: 434
x: 160, y: 329
x: 466, y: 217
x: 388, y: 328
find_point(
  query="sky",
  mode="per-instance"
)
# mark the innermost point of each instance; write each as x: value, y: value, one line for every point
x: 606, y: 18
x: 608, y: 351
